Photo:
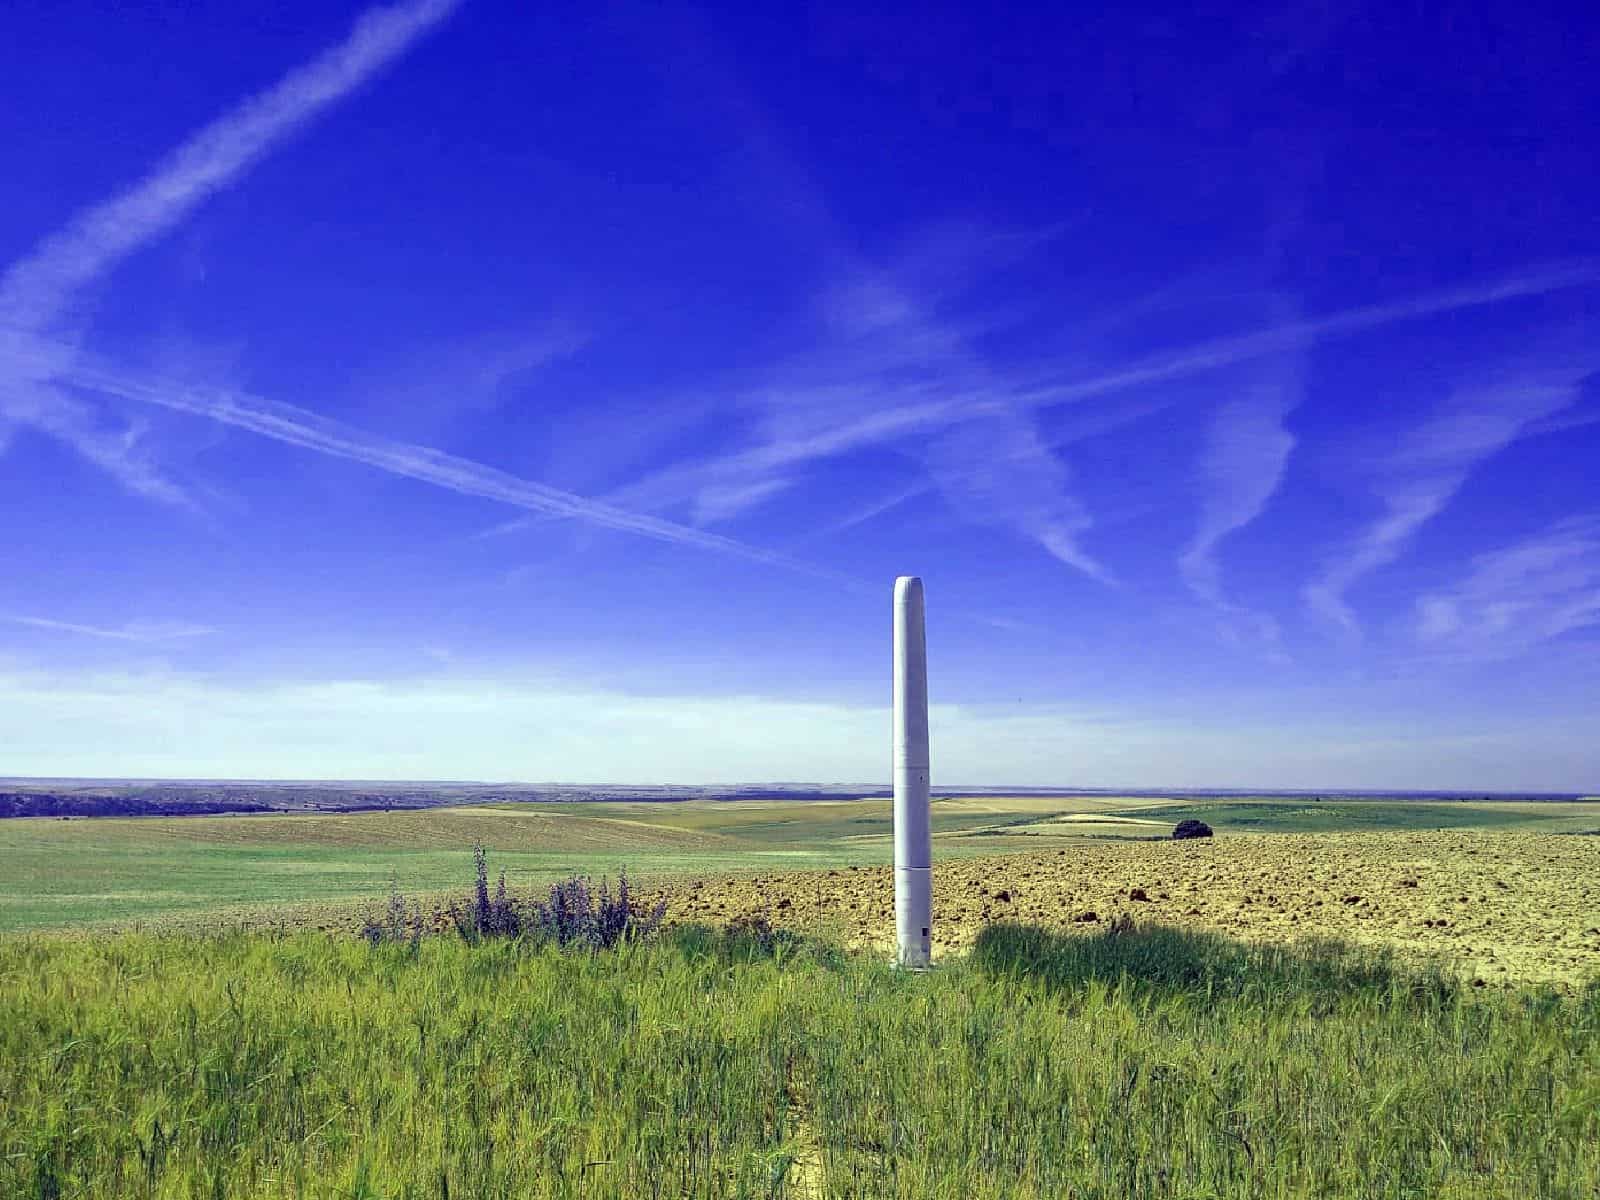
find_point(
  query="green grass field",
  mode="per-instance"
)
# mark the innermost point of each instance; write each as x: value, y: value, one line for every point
x: 191, y: 1058
x: 1139, y: 1064
x: 57, y: 873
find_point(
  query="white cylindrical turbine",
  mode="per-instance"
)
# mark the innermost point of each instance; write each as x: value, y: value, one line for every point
x: 913, y: 837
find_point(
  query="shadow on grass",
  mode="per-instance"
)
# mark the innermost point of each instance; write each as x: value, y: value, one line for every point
x: 1159, y: 962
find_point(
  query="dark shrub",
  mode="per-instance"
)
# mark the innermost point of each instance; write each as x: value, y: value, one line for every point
x: 575, y: 916
x: 1192, y: 829
x: 497, y: 915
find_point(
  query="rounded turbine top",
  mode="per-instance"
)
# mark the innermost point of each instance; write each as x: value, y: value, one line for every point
x: 906, y: 587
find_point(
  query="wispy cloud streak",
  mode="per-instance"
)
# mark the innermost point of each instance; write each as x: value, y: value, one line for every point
x: 922, y: 413
x: 300, y: 427
x: 1431, y: 464
x: 1516, y: 597
x: 993, y: 465
x: 143, y: 633
x: 871, y: 511
x: 892, y: 372
x: 37, y: 291
x: 1246, y: 454
x: 1294, y: 335
x: 879, y: 390
x: 121, y: 453
x: 1242, y: 464
x: 998, y: 465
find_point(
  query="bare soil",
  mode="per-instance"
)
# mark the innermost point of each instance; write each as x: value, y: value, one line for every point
x: 1496, y: 906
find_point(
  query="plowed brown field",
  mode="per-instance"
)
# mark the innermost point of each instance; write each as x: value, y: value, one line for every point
x: 1496, y: 906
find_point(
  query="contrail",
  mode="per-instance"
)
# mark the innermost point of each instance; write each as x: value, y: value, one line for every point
x: 1224, y: 352
x: 34, y: 291
x: 37, y: 291
x: 915, y: 417
x: 310, y: 431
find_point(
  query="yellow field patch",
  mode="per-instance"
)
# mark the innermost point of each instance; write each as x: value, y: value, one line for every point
x: 439, y: 828
x: 1014, y: 805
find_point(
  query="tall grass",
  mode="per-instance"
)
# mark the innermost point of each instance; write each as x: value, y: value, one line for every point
x: 1145, y: 1063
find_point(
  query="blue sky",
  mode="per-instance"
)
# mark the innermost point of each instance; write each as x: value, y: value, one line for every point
x: 476, y: 391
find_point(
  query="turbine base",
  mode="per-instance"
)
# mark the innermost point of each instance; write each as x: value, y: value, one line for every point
x: 913, y: 916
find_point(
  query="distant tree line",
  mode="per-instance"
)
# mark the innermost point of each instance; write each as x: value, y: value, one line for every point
x: 46, y: 804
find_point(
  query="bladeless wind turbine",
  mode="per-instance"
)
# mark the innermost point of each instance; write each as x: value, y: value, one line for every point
x: 913, y: 838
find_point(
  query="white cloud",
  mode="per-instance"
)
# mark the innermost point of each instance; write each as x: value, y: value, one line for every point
x: 463, y: 728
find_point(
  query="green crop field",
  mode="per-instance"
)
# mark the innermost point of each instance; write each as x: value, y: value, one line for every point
x: 1132, y: 1064
x: 129, y: 870
x: 191, y: 1057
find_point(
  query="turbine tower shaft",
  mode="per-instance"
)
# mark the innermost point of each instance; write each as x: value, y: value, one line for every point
x: 913, y: 838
